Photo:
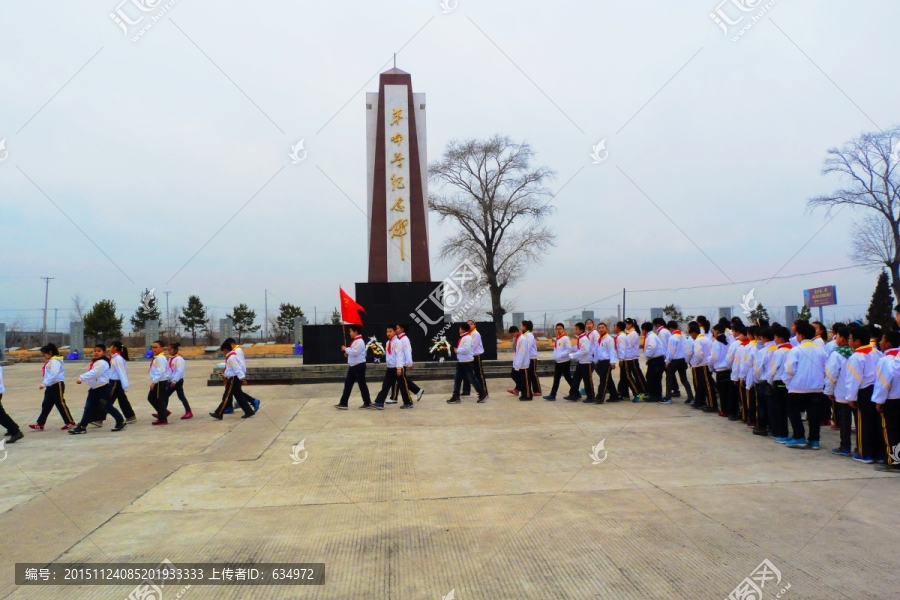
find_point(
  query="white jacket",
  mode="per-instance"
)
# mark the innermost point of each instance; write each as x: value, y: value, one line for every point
x: 119, y: 370
x: 861, y: 365
x: 653, y: 346
x: 582, y: 350
x: 465, y: 349
x: 53, y: 371
x: 676, y: 348
x: 233, y: 366
x: 520, y: 356
x: 97, y: 374
x: 356, y: 351
x: 606, y: 350
x: 159, y: 367
x: 887, y: 378
x: 837, y: 377
x: 804, y: 369
x: 562, y: 348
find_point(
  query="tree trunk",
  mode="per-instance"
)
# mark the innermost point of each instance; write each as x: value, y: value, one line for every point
x: 496, y: 309
x: 894, y: 267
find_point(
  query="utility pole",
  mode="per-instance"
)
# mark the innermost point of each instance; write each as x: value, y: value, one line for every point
x: 623, y: 304
x: 168, y: 330
x: 266, y: 323
x: 46, y: 298
x: 55, y: 314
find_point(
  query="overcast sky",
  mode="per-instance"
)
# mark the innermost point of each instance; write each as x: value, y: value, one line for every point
x: 154, y: 148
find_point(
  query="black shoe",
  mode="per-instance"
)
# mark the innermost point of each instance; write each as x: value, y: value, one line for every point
x: 377, y: 406
x: 15, y: 437
x: 598, y: 401
x: 366, y: 406
x: 572, y: 398
x: 760, y: 431
x: 79, y: 429
x: 406, y: 406
x: 709, y: 409
x: 688, y: 401
x: 481, y: 398
x: 215, y: 416
x: 248, y: 415
x: 588, y: 401
x: 454, y: 400
x: 525, y: 399
x: 466, y: 394
x: 734, y: 417
x: 614, y: 400
x: 341, y: 406
x: 888, y: 468
x: 676, y: 395
x: 119, y: 426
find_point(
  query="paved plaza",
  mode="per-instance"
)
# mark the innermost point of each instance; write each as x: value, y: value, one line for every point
x: 494, y: 500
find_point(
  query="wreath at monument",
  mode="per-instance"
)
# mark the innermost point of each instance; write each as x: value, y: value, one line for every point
x: 441, y: 350
x: 376, y: 349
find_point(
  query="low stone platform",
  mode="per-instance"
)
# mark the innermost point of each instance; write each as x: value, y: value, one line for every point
x: 301, y: 374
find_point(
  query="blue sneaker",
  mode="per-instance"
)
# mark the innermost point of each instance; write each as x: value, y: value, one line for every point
x: 229, y: 410
x: 867, y: 460
x: 255, y: 405
x: 581, y: 391
x: 637, y: 398
x: 666, y: 401
x: 783, y: 440
x: 880, y: 459
x: 796, y: 443
x: 813, y: 445
x: 839, y: 452
x: 549, y: 397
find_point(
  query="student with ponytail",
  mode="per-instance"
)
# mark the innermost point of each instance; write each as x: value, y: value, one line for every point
x: 54, y: 386
x: 118, y: 380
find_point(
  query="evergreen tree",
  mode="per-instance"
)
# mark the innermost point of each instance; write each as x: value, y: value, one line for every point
x: 193, y: 317
x: 336, y: 317
x: 147, y: 310
x: 882, y: 305
x: 673, y: 313
x: 805, y: 314
x: 242, y: 319
x: 759, y: 312
x: 285, y: 320
x: 101, y: 322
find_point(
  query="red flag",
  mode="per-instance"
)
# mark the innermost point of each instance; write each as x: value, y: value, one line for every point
x: 350, y: 309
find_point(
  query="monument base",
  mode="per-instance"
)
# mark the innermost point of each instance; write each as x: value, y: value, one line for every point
x: 410, y: 303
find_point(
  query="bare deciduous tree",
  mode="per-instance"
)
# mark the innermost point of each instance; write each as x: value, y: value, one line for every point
x: 79, y: 308
x: 499, y: 203
x: 869, y: 167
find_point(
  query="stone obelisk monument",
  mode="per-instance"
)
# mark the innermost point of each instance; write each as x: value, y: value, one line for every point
x: 397, y: 181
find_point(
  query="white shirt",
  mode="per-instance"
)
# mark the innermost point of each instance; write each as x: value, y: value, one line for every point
x: 407, y: 349
x: 734, y: 359
x: 465, y: 348
x: 606, y: 350
x: 622, y: 346
x: 520, y: 355
x: 887, y: 382
x: 532, y: 344
x: 837, y: 377
x: 779, y: 356
x: 97, y: 374
x: 233, y: 366
x: 700, y: 356
x: 594, y: 338
x: 175, y: 368
x: 562, y: 348
x: 583, y: 350
x: 395, y: 353
x: 653, y: 346
x: 356, y: 351
x: 634, y: 344
x: 676, y: 349
x: 119, y: 370
x: 861, y: 365
x: 477, y: 346
x: 2, y: 387
x: 718, y: 354
x: 159, y: 367
x: 804, y: 369
x: 53, y: 371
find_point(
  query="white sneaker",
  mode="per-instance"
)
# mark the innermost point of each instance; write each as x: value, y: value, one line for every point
x: 420, y: 394
x: 97, y: 423
x: 389, y: 401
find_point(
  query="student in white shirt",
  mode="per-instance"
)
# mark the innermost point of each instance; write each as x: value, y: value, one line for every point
x: 700, y: 369
x: 54, y: 386
x: 97, y: 404
x: 837, y: 386
x: 356, y: 369
x: 655, y: 353
x: 239, y: 352
x: 718, y: 353
x: 805, y: 380
x: 562, y: 348
x: 887, y: 400
x: 779, y: 356
x: 175, y: 374
x: 407, y: 353
x: 862, y: 365
x: 395, y: 358
x: 527, y: 328
x: 607, y: 360
x: 735, y: 404
x: 234, y: 375
x: 522, y: 363
x: 633, y: 363
x: 581, y: 354
x: 465, y: 365
x: 12, y: 428
x: 478, y: 349
x: 676, y: 364
x: 118, y: 380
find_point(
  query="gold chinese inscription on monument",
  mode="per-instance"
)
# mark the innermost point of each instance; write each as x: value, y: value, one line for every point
x: 397, y: 183
x: 398, y: 229
x: 398, y: 205
x: 398, y: 115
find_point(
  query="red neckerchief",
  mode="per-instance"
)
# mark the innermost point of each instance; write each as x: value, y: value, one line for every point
x: 658, y: 329
x: 390, y: 343
x: 677, y: 332
x: 786, y: 345
x: 459, y: 341
x: 557, y: 340
x: 359, y: 337
x: 864, y: 349
x: 744, y: 342
x: 44, y: 368
x: 401, y: 335
x: 892, y: 352
x: 170, y: 361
